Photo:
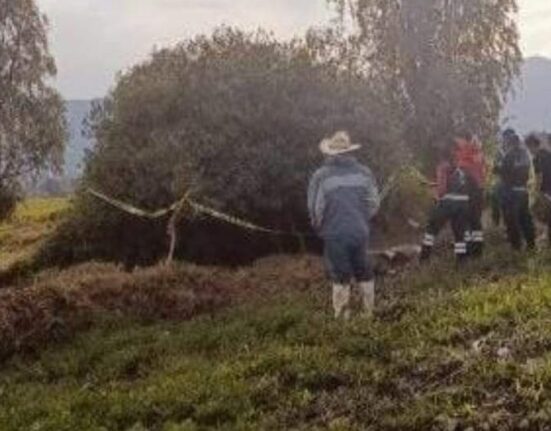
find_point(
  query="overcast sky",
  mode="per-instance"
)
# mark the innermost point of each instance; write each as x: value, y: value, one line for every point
x: 94, y: 39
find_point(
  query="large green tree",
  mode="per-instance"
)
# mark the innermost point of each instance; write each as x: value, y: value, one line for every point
x: 451, y: 62
x: 32, y: 125
x: 233, y: 118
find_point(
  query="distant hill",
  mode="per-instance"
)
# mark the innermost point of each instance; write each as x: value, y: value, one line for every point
x: 530, y: 107
x: 54, y: 185
x: 77, y: 110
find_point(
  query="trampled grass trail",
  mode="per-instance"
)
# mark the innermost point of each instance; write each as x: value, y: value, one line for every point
x: 447, y: 350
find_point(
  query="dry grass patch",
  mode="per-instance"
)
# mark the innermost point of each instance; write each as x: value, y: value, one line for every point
x: 32, y: 222
x: 59, y: 303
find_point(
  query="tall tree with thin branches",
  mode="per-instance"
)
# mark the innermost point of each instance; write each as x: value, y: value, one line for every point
x: 32, y: 125
x: 451, y: 62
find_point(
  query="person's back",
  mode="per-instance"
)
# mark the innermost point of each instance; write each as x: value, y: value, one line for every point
x: 347, y: 193
x: 470, y: 157
x: 451, y: 207
x: 515, y: 170
x: 515, y: 199
x: 342, y: 199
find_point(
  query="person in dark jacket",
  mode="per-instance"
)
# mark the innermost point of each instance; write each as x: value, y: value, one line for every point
x: 514, y: 172
x: 453, y: 197
x: 343, y: 197
x: 496, y: 197
x: 542, y: 168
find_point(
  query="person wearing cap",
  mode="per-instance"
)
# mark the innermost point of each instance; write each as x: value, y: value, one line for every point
x: 453, y: 186
x: 514, y: 172
x: 542, y: 168
x: 343, y: 197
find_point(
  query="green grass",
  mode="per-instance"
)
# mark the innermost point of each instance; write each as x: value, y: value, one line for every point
x: 32, y: 221
x: 429, y: 360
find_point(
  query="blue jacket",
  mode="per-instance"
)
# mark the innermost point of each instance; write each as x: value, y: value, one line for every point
x: 342, y: 198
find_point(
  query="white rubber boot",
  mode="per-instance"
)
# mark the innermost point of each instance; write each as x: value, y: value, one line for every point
x: 368, y: 295
x: 341, y: 301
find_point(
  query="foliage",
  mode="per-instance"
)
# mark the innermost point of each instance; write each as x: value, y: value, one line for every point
x: 406, y: 207
x: 451, y: 63
x: 38, y: 211
x: 22, y: 234
x: 32, y: 125
x: 447, y: 350
x: 234, y: 119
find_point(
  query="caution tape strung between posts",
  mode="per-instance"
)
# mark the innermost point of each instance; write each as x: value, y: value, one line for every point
x: 230, y: 219
x: 151, y: 215
x: 198, y: 208
x: 236, y: 221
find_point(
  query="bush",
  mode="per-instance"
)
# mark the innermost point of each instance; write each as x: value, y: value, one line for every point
x: 234, y: 119
x: 407, y: 205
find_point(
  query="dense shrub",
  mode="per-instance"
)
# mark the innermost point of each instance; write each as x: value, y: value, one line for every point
x: 406, y: 208
x: 234, y: 119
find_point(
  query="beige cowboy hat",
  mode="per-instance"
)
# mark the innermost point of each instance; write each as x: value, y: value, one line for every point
x: 339, y: 143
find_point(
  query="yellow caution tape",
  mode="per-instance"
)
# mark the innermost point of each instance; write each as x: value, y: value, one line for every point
x: 198, y: 208
x: 236, y: 221
x: 233, y: 220
x: 152, y: 215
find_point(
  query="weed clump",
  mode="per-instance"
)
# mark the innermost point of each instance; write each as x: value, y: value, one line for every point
x: 59, y: 304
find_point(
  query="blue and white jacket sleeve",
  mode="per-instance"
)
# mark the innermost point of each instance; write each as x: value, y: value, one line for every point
x: 316, y: 201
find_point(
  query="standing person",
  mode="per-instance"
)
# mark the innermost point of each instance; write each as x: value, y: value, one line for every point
x: 515, y: 174
x: 342, y: 199
x: 497, y: 189
x: 542, y: 168
x: 469, y: 156
x: 453, y: 187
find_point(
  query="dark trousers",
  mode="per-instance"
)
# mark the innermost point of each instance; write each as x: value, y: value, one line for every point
x: 457, y: 214
x: 496, y: 198
x: 475, y: 231
x: 347, y: 259
x: 518, y: 218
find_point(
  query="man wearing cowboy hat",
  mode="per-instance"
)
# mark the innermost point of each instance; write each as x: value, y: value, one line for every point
x: 342, y: 199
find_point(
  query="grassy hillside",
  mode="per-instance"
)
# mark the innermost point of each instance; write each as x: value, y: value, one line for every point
x: 447, y: 350
x: 33, y: 220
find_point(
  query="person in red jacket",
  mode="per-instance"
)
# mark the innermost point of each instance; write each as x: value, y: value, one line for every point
x: 452, y: 188
x: 469, y: 156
